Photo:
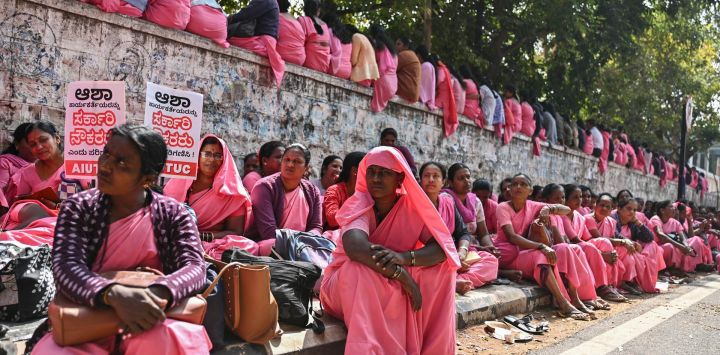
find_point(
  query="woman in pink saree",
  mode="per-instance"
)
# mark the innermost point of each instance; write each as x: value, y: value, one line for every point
x: 427, y: 78
x: 317, y: 38
x: 221, y: 203
x: 263, y: 41
x: 445, y: 99
x: 623, y: 258
x: 123, y: 225
x: 537, y: 261
x: 17, y: 156
x: 649, y: 255
x: 386, y: 86
x: 600, y: 253
x: 393, y: 299
x: 291, y: 36
x: 482, y: 267
x: 569, y: 229
x: 680, y: 253
x: 528, y: 119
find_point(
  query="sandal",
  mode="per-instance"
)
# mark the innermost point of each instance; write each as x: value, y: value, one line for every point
x: 524, y: 324
x: 506, y: 333
x: 610, y: 294
x: 602, y: 305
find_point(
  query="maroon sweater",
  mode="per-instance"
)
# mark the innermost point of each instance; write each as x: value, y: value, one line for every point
x: 83, y: 225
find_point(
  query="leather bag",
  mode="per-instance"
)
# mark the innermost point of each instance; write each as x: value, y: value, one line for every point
x: 251, y: 311
x: 74, y: 324
x: 539, y: 233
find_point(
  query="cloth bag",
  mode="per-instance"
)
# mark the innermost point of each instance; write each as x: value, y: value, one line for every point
x: 251, y: 311
x: 74, y: 324
x: 27, y: 281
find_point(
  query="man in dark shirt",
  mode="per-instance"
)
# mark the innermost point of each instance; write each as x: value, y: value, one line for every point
x: 388, y: 138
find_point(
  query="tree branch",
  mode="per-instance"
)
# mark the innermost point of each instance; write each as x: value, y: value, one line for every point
x: 367, y: 7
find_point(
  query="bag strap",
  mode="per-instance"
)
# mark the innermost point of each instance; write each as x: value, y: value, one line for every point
x: 317, y: 326
x: 150, y: 270
x: 217, y: 279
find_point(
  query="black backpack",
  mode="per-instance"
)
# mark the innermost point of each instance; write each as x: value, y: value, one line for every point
x: 291, y: 283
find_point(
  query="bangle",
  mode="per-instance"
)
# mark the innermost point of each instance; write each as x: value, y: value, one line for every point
x: 105, y: 294
x: 541, y: 246
x: 398, y: 271
x: 464, y: 247
x: 412, y: 257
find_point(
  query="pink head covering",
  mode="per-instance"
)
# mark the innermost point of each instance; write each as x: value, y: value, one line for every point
x: 227, y: 179
x: 361, y: 201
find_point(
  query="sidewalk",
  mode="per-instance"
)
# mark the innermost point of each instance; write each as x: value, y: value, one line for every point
x: 489, y: 302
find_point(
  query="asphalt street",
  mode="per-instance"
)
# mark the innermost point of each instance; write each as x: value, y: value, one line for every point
x: 683, y: 321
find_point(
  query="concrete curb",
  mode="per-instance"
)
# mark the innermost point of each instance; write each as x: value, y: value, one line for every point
x: 487, y: 303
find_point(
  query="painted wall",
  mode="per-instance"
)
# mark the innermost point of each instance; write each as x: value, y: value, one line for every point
x: 46, y: 44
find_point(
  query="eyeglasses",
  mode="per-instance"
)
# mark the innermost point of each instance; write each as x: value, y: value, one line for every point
x: 208, y: 155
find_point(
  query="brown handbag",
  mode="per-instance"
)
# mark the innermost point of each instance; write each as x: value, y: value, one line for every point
x: 539, y: 233
x: 74, y: 324
x: 251, y: 311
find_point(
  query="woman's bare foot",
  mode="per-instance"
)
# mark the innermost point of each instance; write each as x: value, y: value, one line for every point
x: 463, y: 286
x: 512, y: 275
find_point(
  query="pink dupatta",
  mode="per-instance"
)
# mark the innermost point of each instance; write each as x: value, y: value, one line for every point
x: 446, y: 100
x: 265, y: 46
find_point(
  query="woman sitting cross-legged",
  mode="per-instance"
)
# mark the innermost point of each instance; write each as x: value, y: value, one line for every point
x: 475, y: 272
x: 285, y: 200
x: 123, y: 225
x: 393, y: 299
x: 218, y: 198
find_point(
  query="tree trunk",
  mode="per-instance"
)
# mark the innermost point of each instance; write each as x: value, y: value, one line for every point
x: 427, y: 24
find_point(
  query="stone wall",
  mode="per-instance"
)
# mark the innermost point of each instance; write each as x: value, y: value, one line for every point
x: 45, y: 44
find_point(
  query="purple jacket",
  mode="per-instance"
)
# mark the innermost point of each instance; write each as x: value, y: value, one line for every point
x: 83, y: 225
x: 268, y: 201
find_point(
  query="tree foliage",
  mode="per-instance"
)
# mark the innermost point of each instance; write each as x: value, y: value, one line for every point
x: 629, y: 63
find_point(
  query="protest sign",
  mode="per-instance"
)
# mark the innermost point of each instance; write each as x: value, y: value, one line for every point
x: 92, y: 109
x: 177, y: 116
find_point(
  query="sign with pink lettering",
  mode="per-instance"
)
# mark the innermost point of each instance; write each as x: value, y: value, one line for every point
x: 177, y: 116
x: 92, y: 108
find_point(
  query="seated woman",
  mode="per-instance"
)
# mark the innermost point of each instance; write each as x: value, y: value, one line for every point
x: 329, y: 172
x: 317, y: 37
x: 393, y: 299
x: 265, y: 15
x: 682, y: 255
x: 291, y: 36
x: 269, y: 158
x: 340, y: 47
x: 482, y: 268
x: 337, y: 194
x: 471, y: 108
x: 362, y: 58
x: 117, y: 226
x: 385, y: 87
x: 600, y: 262
x: 650, y: 255
x: 535, y: 260
x: 568, y: 232
x: 482, y: 189
x: 620, y: 254
x: 427, y: 78
x: 47, y: 172
x: 220, y: 202
x: 285, y: 200
x: 17, y: 156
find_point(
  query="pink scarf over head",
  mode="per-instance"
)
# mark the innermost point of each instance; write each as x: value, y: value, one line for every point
x: 421, y: 209
x: 227, y: 190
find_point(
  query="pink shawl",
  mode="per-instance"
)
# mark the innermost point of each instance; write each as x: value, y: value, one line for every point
x: 415, y: 206
x: 264, y: 46
x: 446, y: 208
x: 468, y: 210
x: 227, y: 196
x: 446, y: 100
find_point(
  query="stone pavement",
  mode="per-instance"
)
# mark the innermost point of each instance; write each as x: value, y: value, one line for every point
x: 486, y: 303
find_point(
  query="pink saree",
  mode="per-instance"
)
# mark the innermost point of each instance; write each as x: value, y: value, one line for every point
x: 445, y: 100
x: 528, y: 119
x: 130, y: 245
x: 673, y: 256
x: 472, y: 104
x: 386, y: 86
x: 291, y: 41
x: 226, y: 198
x: 9, y: 165
x: 427, y: 85
x: 264, y: 46
x: 593, y: 255
x: 377, y: 313
x: 480, y: 272
x: 317, y: 46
